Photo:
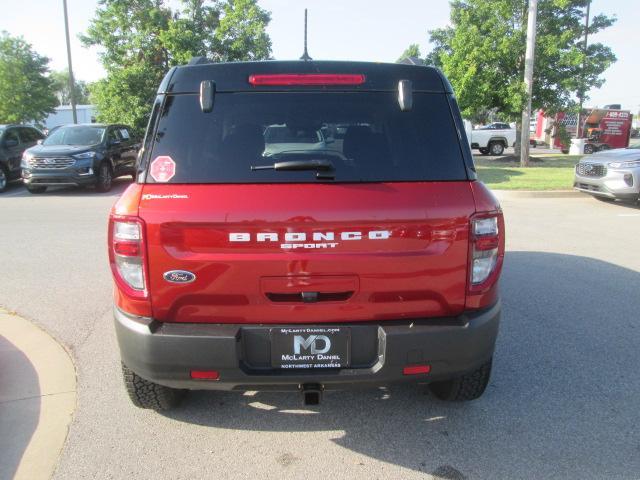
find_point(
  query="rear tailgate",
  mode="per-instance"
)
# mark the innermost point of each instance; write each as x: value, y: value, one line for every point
x: 381, y: 251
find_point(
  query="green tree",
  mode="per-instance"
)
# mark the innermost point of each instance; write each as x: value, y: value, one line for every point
x: 482, y: 54
x: 140, y: 40
x: 25, y: 89
x: 61, y: 89
x: 242, y: 33
x: 412, y: 50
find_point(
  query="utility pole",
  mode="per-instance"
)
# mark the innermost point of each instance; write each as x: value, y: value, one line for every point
x: 71, y: 82
x: 581, y: 93
x: 528, y: 81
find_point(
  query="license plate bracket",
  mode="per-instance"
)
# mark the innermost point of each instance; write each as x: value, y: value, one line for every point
x: 310, y: 348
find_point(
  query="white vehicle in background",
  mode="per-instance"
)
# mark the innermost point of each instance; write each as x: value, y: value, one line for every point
x: 493, y: 138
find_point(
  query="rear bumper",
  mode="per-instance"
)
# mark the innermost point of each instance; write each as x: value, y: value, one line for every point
x: 165, y: 353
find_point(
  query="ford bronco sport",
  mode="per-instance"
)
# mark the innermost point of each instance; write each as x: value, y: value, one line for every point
x: 357, y: 249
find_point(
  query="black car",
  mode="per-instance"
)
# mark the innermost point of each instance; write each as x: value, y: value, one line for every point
x: 14, y: 140
x: 80, y: 155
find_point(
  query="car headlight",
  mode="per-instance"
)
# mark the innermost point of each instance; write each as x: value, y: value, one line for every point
x: 635, y: 163
x: 26, y: 158
x: 82, y: 156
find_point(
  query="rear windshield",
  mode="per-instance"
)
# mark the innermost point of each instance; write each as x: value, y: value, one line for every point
x: 363, y: 135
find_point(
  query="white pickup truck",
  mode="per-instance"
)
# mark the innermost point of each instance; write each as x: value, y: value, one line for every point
x: 493, y: 138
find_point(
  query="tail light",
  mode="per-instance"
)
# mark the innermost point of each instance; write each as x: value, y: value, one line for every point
x: 486, y: 251
x: 127, y: 255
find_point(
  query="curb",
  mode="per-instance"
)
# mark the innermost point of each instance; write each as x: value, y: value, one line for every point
x: 507, y: 194
x: 37, y: 399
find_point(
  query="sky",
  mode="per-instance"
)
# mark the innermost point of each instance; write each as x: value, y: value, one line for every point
x: 370, y: 30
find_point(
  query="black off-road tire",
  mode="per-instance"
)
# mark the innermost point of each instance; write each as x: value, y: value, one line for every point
x: 105, y: 178
x: 146, y: 394
x: 36, y: 189
x: 484, y: 151
x: 496, y: 148
x: 462, y: 389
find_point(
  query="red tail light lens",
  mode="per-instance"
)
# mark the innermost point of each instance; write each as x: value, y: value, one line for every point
x: 416, y: 370
x: 486, y: 250
x: 307, y: 79
x: 205, y: 374
x: 127, y: 255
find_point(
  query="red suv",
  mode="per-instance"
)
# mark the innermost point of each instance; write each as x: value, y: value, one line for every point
x: 305, y: 226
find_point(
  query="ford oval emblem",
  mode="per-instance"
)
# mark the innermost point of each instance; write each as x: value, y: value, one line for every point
x: 179, y: 276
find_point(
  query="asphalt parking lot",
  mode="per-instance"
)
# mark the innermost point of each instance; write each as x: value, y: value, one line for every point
x: 562, y: 403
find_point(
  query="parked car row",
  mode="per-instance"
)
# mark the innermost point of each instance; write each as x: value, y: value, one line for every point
x: 71, y: 155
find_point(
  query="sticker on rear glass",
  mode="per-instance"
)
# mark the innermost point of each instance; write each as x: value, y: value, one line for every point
x: 162, y: 169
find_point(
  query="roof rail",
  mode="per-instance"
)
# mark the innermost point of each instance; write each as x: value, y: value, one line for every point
x: 198, y: 61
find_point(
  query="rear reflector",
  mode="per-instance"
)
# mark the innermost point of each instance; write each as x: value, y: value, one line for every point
x: 416, y: 369
x: 205, y: 374
x: 307, y: 79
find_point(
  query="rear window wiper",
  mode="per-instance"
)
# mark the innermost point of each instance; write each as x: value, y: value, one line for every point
x: 291, y: 165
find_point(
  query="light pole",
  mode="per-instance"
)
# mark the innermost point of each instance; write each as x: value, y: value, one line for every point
x: 71, y: 82
x: 528, y: 81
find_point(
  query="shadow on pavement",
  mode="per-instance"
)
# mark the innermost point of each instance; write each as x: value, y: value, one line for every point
x: 562, y: 403
x: 19, y: 406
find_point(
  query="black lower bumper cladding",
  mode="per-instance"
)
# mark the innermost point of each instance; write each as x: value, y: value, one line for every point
x: 166, y: 353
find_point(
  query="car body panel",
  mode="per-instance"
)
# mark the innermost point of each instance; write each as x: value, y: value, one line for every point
x: 420, y: 270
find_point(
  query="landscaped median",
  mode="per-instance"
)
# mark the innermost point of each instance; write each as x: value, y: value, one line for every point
x: 545, y: 172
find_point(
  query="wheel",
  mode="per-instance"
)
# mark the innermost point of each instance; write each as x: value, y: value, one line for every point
x: 105, y: 178
x: 588, y: 148
x: 565, y: 151
x: 484, y: 151
x: 146, y: 394
x: 496, y: 148
x: 36, y: 189
x: 469, y: 386
x: 4, y: 179
x: 533, y: 144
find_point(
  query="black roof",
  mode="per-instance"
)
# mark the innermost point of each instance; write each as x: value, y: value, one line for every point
x: 233, y: 77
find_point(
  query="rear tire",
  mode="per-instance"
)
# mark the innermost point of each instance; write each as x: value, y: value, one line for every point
x: 484, y: 151
x: 588, y: 149
x: 105, y: 178
x: 469, y: 386
x: 496, y: 148
x: 146, y: 394
x: 35, y: 189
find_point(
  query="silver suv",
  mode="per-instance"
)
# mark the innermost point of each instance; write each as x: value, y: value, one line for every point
x: 610, y: 174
